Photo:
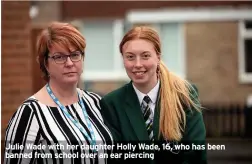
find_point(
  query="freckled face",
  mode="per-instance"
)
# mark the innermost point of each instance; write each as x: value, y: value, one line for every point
x: 140, y: 61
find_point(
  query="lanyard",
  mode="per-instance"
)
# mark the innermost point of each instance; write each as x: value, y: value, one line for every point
x: 75, y: 122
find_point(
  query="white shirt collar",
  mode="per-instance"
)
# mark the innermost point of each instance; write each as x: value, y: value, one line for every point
x: 152, y: 94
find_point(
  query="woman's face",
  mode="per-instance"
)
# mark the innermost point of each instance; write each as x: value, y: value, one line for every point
x: 141, y: 61
x: 68, y: 71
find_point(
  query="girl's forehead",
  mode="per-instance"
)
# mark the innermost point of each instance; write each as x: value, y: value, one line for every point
x: 138, y: 45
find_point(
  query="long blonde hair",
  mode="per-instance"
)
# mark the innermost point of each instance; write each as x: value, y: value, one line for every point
x: 175, y: 92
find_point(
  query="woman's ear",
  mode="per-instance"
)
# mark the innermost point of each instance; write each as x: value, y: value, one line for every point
x: 45, y: 65
x: 37, y: 59
x: 46, y: 57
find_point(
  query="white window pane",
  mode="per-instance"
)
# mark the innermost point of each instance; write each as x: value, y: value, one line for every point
x: 172, y: 47
x: 99, y: 50
x: 245, y: 51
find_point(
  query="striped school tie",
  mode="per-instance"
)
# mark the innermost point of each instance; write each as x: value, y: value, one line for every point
x: 148, y: 116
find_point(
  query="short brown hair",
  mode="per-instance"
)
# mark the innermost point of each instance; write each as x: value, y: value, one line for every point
x: 57, y: 33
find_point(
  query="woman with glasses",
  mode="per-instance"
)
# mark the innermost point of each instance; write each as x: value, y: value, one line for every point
x: 60, y: 124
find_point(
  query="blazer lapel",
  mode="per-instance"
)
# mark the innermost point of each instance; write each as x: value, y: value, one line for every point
x: 157, y: 117
x: 134, y: 113
x: 156, y: 121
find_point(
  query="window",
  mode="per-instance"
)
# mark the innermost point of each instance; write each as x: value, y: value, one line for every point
x: 102, y: 57
x: 103, y: 60
x: 245, y: 51
x: 172, y: 40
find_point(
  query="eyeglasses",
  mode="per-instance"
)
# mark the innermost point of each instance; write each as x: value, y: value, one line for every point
x: 61, y: 58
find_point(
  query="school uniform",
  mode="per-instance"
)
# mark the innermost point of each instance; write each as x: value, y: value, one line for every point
x: 121, y: 110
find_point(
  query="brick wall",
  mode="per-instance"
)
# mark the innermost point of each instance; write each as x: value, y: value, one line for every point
x: 105, y: 9
x: 48, y: 11
x: 212, y: 62
x: 16, y: 58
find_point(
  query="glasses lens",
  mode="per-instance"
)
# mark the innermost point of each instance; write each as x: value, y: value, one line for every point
x: 59, y: 58
x: 76, y: 56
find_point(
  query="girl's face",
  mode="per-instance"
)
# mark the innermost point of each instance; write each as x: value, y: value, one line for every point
x: 141, y: 62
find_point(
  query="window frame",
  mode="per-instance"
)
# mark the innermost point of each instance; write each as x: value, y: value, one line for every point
x: 182, y: 43
x: 118, y: 73
x: 244, y: 77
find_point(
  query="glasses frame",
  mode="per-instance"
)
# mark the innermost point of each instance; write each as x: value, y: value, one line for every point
x: 67, y: 56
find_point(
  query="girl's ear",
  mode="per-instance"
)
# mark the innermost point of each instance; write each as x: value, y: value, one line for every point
x: 159, y: 57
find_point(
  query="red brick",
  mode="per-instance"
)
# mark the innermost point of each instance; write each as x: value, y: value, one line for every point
x: 14, y: 34
x: 16, y: 57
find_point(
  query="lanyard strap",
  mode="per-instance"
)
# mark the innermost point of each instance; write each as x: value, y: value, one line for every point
x: 75, y: 122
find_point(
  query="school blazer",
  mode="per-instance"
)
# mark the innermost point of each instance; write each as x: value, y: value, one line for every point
x: 122, y: 114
